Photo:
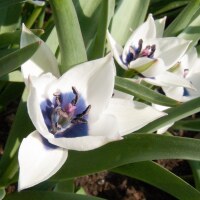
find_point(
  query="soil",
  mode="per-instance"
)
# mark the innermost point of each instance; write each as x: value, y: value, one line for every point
x: 112, y: 186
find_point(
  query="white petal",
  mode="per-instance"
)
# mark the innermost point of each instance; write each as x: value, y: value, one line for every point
x: 42, y: 61
x: 154, y: 68
x: 116, y: 50
x: 122, y: 95
x: 160, y: 25
x: 37, y: 3
x: 144, y: 31
x: 164, y: 128
x: 132, y: 115
x: 169, y: 79
x: 174, y: 92
x: 95, y: 79
x: 37, y: 94
x: 170, y: 49
x: 101, y: 132
x: 37, y: 161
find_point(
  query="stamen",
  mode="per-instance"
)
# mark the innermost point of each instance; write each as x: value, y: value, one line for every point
x: 137, y: 52
x: 62, y: 116
x: 153, y: 49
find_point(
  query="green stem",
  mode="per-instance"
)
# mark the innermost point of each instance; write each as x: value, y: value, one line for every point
x: 33, y: 17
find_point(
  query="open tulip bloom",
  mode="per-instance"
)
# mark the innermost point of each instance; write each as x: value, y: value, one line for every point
x: 188, y: 68
x: 151, y: 55
x: 74, y: 112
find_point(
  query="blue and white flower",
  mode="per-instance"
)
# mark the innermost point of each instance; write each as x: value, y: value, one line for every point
x: 151, y: 55
x: 74, y: 112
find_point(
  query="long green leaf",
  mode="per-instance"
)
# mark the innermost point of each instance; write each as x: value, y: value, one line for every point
x: 129, y: 15
x: 11, y: 93
x: 49, y: 196
x: 174, y: 114
x: 71, y: 43
x: 183, y: 19
x: 21, y: 127
x: 192, y: 31
x: 188, y: 125
x: 13, y: 60
x: 161, y: 178
x: 143, y: 92
x: 8, y: 3
x: 134, y: 148
x: 88, y: 13
x: 97, y: 48
x: 9, y: 18
x: 15, y: 76
x: 14, y: 37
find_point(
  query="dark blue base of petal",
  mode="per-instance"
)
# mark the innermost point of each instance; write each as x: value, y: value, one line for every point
x: 76, y: 130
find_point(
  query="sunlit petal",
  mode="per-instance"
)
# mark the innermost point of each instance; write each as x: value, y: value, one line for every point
x: 42, y: 61
x: 38, y: 160
x: 132, y: 115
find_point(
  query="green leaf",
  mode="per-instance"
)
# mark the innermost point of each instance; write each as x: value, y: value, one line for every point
x: 49, y: 196
x: 97, y: 48
x: 19, y: 130
x: 14, y: 37
x: 129, y: 15
x: 65, y: 186
x: 192, y: 31
x: 15, y: 76
x: 71, y: 43
x: 134, y: 148
x: 170, y: 6
x: 159, y: 177
x: 143, y: 92
x: 8, y: 3
x: 10, y: 17
x: 188, y: 125
x: 174, y: 114
x: 13, y: 60
x: 195, y: 167
x: 11, y: 93
x: 2, y: 193
x: 183, y: 19
x: 88, y: 13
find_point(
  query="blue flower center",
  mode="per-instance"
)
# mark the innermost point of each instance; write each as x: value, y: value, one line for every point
x: 66, y: 114
x: 139, y: 51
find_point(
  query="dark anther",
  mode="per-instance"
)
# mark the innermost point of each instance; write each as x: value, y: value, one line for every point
x: 153, y: 49
x: 79, y: 118
x: 85, y: 112
x: 58, y: 98
x: 79, y: 121
x: 139, y: 46
x: 74, y: 101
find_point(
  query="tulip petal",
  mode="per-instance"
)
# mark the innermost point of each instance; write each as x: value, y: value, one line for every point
x: 42, y: 61
x: 169, y: 79
x: 132, y: 115
x: 38, y: 161
x: 37, y: 95
x: 101, y: 132
x: 95, y: 79
x: 174, y: 92
x: 170, y: 49
x: 160, y: 25
x: 147, y: 66
x: 122, y: 95
x: 116, y: 50
x: 144, y: 31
